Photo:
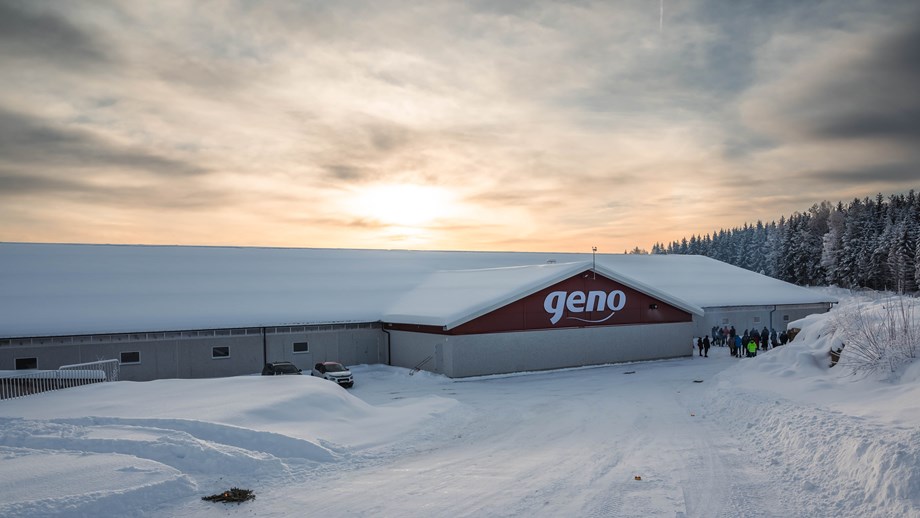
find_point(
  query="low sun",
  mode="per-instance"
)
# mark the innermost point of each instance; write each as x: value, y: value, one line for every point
x: 402, y: 205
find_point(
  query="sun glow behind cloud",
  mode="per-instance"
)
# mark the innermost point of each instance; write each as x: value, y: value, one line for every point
x: 402, y: 205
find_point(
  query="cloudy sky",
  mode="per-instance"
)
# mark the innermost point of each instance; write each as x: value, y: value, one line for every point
x: 482, y: 125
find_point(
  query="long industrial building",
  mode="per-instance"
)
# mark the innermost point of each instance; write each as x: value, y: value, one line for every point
x: 192, y: 312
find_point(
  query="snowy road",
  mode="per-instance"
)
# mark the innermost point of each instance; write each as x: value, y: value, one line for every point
x: 771, y: 438
x: 566, y: 443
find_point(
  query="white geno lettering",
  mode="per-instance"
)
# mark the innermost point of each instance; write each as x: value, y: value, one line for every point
x: 596, y: 301
x: 576, y: 302
x: 554, y: 304
x: 616, y: 300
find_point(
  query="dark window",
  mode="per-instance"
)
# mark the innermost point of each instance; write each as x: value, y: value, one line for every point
x: 785, y: 318
x: 26, y: 363
x: 220, y: 352
x: 301, y: 347
x: 130, y: 357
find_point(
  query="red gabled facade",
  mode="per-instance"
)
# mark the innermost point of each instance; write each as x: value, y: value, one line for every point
x: 583, y: 300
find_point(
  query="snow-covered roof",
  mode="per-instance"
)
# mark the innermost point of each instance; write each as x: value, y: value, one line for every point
x: 62, y: 289
x: 709, y: 283
x: 453, y: 297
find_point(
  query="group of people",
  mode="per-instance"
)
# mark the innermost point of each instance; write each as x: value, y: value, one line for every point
x: 747, y: 343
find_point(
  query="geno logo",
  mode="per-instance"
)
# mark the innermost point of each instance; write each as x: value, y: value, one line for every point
x: 577, y: 302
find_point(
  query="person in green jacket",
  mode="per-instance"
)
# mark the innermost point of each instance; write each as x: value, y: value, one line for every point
x: 752, y: 349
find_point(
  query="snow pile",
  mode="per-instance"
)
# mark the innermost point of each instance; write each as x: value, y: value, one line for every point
x: 117, y: 448
x: 848, y: 439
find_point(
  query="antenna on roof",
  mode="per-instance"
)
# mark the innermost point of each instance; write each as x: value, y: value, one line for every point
x: 593, y: 262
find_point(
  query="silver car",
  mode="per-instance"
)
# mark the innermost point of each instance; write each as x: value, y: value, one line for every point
x: 334, y: 371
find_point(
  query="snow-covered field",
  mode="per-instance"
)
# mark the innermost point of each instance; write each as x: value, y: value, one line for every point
x: 778, y: 435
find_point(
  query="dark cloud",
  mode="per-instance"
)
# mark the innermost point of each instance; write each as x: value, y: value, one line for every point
x: 356, y: 151
x: 27, y: 31
x: 162, y: 195
x: 27, y: 141
x: 388, y: 137
x: 865, y: 124
x: 159, y: 195
x: 891, y: 172
x: 345, y: 172
x: 15, y: 184
x: 875, y: 97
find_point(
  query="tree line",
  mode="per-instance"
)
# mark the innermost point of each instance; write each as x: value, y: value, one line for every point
x: 862, y: 244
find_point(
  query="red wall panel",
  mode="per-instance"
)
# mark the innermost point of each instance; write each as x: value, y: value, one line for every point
x: 568, y: 303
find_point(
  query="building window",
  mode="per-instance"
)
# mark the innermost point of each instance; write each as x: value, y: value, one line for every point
x: 301, y: 347
x: 130, y: 357
x: 26, y: 363
x: 220, y: 352
x: 785, y: 318
x: 724, y: 321
x: 756, y: 320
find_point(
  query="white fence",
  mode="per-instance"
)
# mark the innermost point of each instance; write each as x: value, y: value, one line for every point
x: 14, y: 384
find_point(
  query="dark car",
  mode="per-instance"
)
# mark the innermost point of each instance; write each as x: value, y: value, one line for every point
x: 279, y: 368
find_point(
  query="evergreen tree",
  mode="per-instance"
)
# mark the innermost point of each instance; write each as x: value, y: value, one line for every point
x: 771, y: 249
x: 902, y: 261
x: 876, y: 247
x: 849, y: 265
x: 873, y: 243
x: 831, y: 244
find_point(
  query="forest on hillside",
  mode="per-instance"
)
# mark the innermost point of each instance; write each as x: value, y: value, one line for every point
x: 866, y: 243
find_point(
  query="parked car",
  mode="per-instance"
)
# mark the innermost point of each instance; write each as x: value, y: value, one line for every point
x: 334, y: 371
x: 279, y: 368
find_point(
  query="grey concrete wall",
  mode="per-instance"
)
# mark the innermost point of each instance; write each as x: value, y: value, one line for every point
x: 410, y: 349
x: 475, y: 355
x: 758, y: 317
x: 189, y: 354
x: 349, y: 346
x: 180, y: 358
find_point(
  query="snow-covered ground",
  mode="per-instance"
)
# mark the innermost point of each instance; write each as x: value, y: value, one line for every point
x: 778, y: 435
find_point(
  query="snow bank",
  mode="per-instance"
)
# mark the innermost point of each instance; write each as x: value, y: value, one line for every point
x: 117, y: 448
x: 53, y: 483
x: 833, y: 464
x: 851, y: 442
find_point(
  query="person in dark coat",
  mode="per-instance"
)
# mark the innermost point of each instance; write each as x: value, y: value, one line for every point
x: 764, y: 338
x: 706, y: 345
x: 699, y: 344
